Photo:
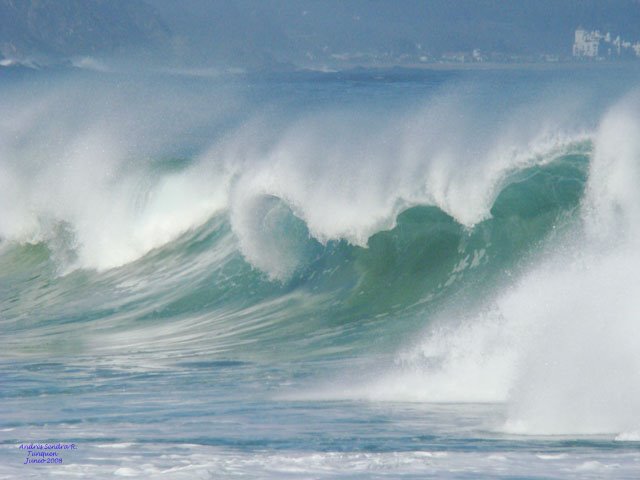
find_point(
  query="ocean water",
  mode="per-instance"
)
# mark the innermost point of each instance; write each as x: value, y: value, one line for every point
x: 366, y: 274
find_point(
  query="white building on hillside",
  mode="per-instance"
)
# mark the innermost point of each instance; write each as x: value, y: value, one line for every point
x: 586, y: 44
x: 595, y: 45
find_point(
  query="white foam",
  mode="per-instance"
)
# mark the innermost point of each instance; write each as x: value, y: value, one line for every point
x: 580, y: 370
x: 347, y: 175
x: 83, y: 156
x: 628, y: 437
x: 178, y: 461
x: 127, y: 472
x: 560, y: 347
x: 473, y: 362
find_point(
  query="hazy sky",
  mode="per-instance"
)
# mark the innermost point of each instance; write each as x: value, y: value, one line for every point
x: 292, y: 30
x: 257, y: 33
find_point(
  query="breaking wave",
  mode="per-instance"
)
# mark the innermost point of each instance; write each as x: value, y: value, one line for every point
x: 495, y: 249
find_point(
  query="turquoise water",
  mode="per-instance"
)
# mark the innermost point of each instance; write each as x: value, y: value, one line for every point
x: 428, y: 274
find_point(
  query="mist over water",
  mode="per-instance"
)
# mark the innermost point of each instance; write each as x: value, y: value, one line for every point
x: 118, y: 148
x: 559, y: 344
x: 95, y: 156
x: 461, y: 242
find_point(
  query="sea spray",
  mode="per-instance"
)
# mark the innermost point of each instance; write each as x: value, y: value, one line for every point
x: 356, y: 274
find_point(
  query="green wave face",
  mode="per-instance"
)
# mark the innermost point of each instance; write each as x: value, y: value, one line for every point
x: 199, y: 292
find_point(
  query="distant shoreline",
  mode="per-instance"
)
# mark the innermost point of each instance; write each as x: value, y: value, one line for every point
x: 277, y: 71
x: 483, y: 66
